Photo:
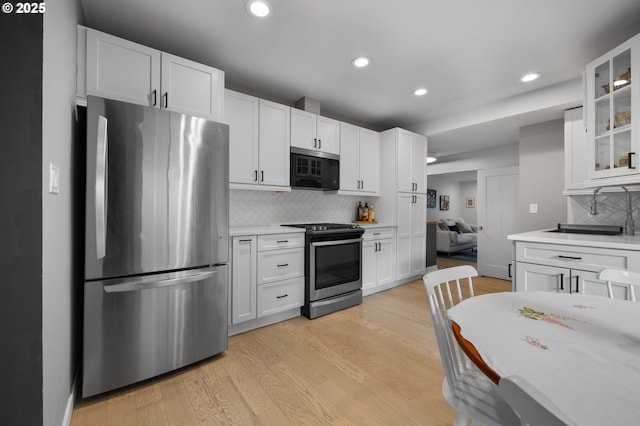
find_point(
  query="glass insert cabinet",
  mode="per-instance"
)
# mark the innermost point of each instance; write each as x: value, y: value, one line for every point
x: 613, y: 112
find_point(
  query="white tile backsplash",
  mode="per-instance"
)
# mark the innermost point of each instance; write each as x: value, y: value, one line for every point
x: 263, y: 208
x: 612, y: 209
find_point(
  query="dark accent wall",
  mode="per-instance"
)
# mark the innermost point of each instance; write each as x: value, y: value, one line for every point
x: 21, y: 400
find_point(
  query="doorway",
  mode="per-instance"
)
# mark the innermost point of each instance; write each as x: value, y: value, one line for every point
x: 453, y: 197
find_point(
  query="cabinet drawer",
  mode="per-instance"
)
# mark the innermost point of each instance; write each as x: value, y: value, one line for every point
x: 280, y: 241
x: 576, y: 257
x: 377, y: 233
x: 280, y: 296
x: 278, y: 265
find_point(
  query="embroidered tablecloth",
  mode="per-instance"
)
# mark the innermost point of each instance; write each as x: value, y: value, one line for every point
x: 582, y: 352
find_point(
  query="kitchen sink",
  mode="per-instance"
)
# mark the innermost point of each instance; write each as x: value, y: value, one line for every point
x: 568, y: 228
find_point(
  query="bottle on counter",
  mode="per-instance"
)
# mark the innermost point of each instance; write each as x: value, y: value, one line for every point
x: 372, y: 214
x: 359, y: 211
x: 365, y: 213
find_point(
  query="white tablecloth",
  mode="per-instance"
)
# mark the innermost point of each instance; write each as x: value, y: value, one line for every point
x: 583, y: 352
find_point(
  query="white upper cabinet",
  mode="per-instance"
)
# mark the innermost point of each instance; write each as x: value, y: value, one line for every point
x: 359, y: 160
x: 191, y: 88
x: 312, y: 131
x: 575, y: 154
x: 613, y: 116
x: 412, y: 166
x: 275, y: 121
x: 122, y: 70
x: 258, y: 142
x: 241, y: 114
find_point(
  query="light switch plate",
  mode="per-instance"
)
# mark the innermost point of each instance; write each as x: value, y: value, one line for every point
x: 533, y: 208
x: 54, y: 179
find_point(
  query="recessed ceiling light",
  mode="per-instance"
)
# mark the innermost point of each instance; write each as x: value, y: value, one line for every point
x: 530, y: 77
x: 259, y: 8
x: 360, y: 61
x: 420, y: 92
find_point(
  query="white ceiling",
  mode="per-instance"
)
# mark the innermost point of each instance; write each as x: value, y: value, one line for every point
x: 469, y: 54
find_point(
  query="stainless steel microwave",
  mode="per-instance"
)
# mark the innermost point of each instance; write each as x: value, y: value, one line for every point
x: 314, y: 170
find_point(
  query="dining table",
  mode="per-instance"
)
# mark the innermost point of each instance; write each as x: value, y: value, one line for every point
x: 581, y: 351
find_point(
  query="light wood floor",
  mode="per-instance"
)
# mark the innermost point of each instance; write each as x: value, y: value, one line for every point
x: 374, y: 364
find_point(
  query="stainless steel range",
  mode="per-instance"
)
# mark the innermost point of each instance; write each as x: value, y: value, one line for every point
x: 333, y: 267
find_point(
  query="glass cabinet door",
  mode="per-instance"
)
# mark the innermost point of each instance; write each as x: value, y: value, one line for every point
x: 613, y: 150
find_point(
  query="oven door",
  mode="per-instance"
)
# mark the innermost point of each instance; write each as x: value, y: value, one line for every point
x: 335, y: 267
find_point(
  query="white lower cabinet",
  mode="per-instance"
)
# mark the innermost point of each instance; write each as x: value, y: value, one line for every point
x: 267, y: 275
x: 280, y: 296
x: 569, y: 269
x: 412, y: 234
x: 243, y: 279
x: 378, y: 259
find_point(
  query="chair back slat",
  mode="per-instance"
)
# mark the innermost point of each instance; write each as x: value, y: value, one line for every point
x: 620, y: 276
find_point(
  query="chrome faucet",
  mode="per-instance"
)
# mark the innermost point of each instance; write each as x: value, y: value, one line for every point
x: 629, y: 225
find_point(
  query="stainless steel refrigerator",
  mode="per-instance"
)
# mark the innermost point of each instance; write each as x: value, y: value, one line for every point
x: 156, y: 243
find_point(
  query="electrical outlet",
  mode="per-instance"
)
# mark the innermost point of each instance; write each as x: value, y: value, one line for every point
x: 54, y: 179
x: 533, y: 208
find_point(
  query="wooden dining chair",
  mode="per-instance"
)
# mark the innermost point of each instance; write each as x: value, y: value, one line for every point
x: 533, y: 407
x: 620, y: 276
x: 465, y: 388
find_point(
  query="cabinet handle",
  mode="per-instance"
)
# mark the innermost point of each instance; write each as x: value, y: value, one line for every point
x: 577, y: 283
x: 282, y: 265
x: 379, y: 246
x: 509, y: 270
x: 561, y: 281
x: 282, y: 241
x: 319, y: 143
x: 376, y: 233
x: 245, y: 241
x: 154, y: 94
x: 315, y: 142
x: 261, y: 175
x: 282, y: 297
x: 255, y: 179
x: 166, y: 99
x: 569, y: 257
x: 629, y: 160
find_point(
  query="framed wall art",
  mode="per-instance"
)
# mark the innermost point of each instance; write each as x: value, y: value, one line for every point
x: 431, y: 198
x: 444, y: 202
x: 470, y: 202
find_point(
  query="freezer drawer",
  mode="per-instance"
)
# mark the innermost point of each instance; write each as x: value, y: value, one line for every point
x: 141, y: 327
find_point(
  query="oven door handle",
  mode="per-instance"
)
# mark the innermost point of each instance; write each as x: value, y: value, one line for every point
x: 335, y: 242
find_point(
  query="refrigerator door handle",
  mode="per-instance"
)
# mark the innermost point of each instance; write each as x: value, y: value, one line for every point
x: 151, y: 284
x: 101, y: 188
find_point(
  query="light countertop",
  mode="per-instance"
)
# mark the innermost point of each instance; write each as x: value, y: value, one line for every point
x: 237, y: 231
x: 621, y: 242
x: 377, y: 225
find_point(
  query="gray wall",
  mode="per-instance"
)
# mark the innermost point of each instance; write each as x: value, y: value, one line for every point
x: 62, y: 231
x: 458, y: 191
x: 21, y: 220
x: 542, y: 175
